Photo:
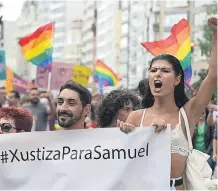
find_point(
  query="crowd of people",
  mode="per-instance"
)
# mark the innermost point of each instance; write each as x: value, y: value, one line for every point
x: 161, y: 100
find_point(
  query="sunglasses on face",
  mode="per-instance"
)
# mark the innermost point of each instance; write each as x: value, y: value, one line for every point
x: 6, y: 127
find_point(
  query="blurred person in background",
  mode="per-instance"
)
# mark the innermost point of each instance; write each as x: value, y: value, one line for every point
x: 142, y: 87
x: 90, y: 121
x: 43, y: 94
x: 203, y: 136
x: 13, y: 99
x: 118, y: 104
x: 24, y: 101
x: 214, y: 157
x: 40, y: 111
x: 213, y: 118
x: 15, y: 120
x: 2, y: 95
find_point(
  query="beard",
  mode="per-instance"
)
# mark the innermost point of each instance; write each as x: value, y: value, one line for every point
x: 35, y: 101
x: 70, y: 119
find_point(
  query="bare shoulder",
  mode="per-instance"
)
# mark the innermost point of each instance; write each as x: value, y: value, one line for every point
x: 134, y: 117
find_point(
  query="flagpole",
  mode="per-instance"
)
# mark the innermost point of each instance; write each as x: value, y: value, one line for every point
x: 94, y: 47
x: 101, y: 85
x: 49, y: 81
x: 190, y: 87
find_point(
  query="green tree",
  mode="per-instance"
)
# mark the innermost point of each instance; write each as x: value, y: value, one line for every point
x: 205, y: 43
x: 205, y: 46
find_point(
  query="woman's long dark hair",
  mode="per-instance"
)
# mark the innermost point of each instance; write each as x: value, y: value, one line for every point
x: 179, y: 93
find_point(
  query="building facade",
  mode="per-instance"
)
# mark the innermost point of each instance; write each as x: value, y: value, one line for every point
x: 72, y: 52
x: 140, y: 21
x: 88, y: 41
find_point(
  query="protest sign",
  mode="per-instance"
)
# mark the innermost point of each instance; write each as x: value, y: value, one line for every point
x: 89, y: 159
x: 81, y: 74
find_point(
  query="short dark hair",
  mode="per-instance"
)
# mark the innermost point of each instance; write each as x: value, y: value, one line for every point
x: 112, y: 103
x: 34, y: 88
x: 93, y: 111
x: 143, y: 86
x: 84, y: 93
x: 16, y: 94
x: 43, y: 92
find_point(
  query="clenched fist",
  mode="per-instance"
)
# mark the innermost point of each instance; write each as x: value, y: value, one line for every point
x: 212, y: 23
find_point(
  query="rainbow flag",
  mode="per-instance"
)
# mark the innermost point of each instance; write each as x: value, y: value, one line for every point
x: 104, y: 75
x: 177, y: 44
x: 37, y: 47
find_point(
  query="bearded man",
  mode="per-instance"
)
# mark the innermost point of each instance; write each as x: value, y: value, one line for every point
x: 73, y: 105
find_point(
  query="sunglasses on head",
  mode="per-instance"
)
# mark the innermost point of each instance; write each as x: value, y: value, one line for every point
x: 6, y: 127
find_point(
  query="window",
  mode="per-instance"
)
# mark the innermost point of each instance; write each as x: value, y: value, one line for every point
x: 204, y: 2
x: 133, y: 56
x: 166, y: 34
x: 200, y: 19
x: 59, y: 29
x: 133, y: 43
x: 125, y: 15
x: 170, y: 20
x: 198, y: 35
x: 124, y: 55
x: 125, y: 4
x: 58, y: 49
x: 176, y: 3
x: 124, y: 42
x: 125, y: 29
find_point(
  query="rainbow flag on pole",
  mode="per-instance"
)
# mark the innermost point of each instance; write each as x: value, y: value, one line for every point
x: 177, y: 44
x: 104, y: 75
x: 37, y: 47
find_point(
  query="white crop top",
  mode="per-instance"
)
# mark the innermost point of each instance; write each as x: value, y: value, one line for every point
x: 179, y: 144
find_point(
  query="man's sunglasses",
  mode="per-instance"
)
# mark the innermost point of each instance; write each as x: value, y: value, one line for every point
x: 6, y: 127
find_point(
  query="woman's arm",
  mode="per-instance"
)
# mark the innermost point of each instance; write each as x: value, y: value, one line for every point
x: 196, y: 106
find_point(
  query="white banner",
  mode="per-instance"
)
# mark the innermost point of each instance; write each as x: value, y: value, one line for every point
x: 91, y: 159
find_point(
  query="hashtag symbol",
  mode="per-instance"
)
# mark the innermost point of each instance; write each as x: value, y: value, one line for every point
x: 4, y: 157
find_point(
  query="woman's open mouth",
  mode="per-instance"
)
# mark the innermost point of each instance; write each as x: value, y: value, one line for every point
x: 158, y: 85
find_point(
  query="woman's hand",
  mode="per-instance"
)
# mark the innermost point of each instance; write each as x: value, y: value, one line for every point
x: 212, y: 23
x: 125, y: 127
x: 159, y: 124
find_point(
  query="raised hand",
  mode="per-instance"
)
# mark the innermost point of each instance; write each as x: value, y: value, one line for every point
x: 212, y: 23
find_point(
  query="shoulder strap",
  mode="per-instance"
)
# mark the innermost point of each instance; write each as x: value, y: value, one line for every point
x: 187, y: 128
x: 179, y: 117
x: 143, y: 116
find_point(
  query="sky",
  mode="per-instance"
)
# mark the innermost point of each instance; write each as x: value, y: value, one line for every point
x: 11, y: 9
